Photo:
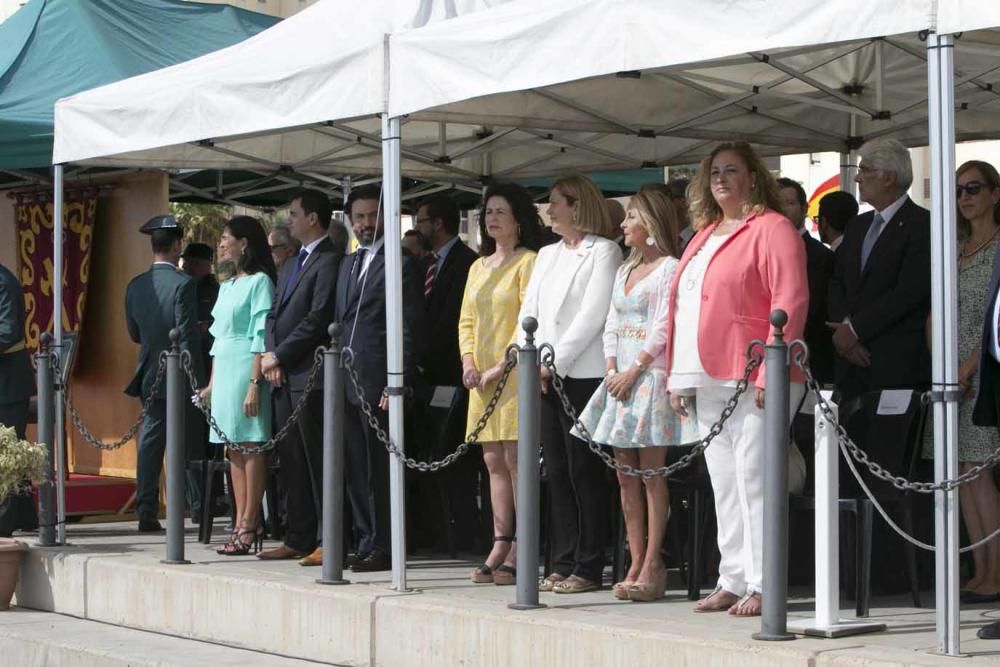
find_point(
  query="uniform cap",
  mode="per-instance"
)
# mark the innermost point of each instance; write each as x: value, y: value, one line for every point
x: 166, y: 222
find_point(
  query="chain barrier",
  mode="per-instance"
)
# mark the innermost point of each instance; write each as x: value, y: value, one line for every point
x: 754, y: 360
x: 206, y: 408
x: 878, y: 471
x: 146, y: 404
x: 471, y: 439
x: 852, y: 453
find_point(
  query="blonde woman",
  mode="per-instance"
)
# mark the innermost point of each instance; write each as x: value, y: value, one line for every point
x: 569, y: 295
x: 630, y: 411
x: 744, y: 261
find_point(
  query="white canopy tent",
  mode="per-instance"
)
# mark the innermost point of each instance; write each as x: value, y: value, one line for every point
x: 523, y: 90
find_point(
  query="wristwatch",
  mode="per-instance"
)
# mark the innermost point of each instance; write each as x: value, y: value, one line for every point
x: 254, y: 380
x: 638, y: 364
x: 611, y: 372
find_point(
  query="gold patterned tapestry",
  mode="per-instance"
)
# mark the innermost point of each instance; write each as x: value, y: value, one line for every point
x: 33, y: 213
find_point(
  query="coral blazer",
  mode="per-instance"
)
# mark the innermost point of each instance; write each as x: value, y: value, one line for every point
x: 761, y: 267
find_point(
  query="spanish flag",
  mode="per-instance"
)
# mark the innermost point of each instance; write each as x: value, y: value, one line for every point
x: 831, y: 184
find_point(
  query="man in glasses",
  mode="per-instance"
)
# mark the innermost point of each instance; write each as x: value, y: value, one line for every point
x: 880, y: 294
x: 283, y: 245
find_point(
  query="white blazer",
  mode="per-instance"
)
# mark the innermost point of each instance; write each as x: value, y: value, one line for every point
x: 582, y: 289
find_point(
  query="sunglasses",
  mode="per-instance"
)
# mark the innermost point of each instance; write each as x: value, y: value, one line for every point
x: 972, y: 187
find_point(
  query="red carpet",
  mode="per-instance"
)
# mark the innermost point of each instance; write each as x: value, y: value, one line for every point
x: 91, y: 494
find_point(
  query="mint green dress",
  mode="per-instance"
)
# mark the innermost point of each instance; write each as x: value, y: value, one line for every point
x: 239, y: 313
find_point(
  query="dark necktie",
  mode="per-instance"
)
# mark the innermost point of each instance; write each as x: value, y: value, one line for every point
x: 870, y: 238
x: 431, y: 274
x: 359, y: 263
x: 295, y: 273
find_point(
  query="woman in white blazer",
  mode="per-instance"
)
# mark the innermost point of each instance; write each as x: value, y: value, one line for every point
x: 569, y: 294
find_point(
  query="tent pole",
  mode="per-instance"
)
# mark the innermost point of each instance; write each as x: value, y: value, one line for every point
x: 57, y: 332
x: 944, y: 343
x: 394, y: 341
x: 849, y: 160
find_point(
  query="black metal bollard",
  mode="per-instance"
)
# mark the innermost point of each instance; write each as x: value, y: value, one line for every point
x: 333, y: 461
x: 774, y: 598
x: 46, y: 436
x: 175, y: 453
x: 529, y: 400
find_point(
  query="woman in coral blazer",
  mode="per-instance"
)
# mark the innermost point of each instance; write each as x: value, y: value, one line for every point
x: 744, y: 261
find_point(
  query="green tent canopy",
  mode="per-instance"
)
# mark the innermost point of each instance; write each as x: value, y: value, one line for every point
x: 50, y: 49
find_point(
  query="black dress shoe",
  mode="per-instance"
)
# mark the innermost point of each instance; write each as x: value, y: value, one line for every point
x: 972, y: 597
x: 149, y: 525
x: 991, y: 631
x: 351, y: 559
x: 373, y: 561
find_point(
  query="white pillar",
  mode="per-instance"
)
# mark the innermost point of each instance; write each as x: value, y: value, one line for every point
x: 944, y: 343
x: 394, y: 340
x: 57, y: 333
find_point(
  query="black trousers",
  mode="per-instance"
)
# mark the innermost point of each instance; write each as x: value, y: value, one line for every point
x: 578, y: 487
x: 367, y: 479
x: 301, y: 470
x: 152, y: 446
x: 17, y: 511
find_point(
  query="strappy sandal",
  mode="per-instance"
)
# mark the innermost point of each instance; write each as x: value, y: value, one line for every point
x: 743, y: 609
x: 620, y: 590
x: 505, y: 575
x: 241, y: 547
x: 702, y: 608
x: 548, y: 583
x: 232, y: 540
x: 484, y: 574
x: 575, y: 584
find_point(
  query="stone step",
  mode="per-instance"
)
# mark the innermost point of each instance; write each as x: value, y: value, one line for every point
x: 42, y: 639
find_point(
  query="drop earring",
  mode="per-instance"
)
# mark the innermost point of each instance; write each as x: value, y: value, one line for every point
x: 649, y: 241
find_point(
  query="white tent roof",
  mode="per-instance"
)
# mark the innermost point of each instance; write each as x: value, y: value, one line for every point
x: 327, y: 61
x: 528, y: 89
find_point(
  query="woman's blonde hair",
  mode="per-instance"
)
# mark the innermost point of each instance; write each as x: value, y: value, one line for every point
x: 991, y: 180
x: 763, y: 188
x: 591, y: 212
x: 658, y: 216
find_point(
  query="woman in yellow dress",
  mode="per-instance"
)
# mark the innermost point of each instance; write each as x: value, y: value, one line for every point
x: 510, y: 232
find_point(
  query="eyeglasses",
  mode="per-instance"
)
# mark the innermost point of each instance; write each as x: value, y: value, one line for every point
x: 865, y: 170
x: 972, y: 187
x: 421, y: 221
x: 278, y: 246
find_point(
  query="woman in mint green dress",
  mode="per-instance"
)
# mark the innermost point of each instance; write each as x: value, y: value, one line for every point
x: 240, y: 399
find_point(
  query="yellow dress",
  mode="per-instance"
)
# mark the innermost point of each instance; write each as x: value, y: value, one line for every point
x: 487, y: 325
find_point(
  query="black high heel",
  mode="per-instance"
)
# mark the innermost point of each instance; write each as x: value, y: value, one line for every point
x: 239, y: 547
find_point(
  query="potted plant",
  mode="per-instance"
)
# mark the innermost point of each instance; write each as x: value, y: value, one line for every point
x: 19, y: 460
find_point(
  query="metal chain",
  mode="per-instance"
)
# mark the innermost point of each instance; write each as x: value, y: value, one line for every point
x: 473, y: 437
x: 292, y: 420
x: 754, y: 360
x: 146, y: 404
x: 878, y: 471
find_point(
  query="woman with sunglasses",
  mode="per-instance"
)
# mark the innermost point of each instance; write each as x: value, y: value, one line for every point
x: 978, y: 191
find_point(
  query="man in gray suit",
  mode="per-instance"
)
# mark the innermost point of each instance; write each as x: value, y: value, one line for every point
x: 156, y: 301
x: 17, y: 386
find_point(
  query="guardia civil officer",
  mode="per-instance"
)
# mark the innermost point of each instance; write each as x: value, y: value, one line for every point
x: 157, y: 301
x: 17, y: 386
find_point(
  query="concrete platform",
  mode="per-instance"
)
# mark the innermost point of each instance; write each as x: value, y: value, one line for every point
x: 112, y: 574
x: 40, y: 639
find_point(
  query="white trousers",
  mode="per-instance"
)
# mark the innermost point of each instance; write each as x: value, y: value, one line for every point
x: 735, y: 461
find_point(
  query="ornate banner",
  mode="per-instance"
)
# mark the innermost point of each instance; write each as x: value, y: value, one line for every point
x: 33, y: 213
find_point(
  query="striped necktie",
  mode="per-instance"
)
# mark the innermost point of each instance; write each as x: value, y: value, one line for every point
x: 431, y: 274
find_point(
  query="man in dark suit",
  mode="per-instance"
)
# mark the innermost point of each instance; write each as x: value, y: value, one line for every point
x: 297, y: 324
x: 440, y: 365
x: 17, y: 386
x: 836, y: 209
x: 361, y: 309
x: 156, y: 301
x: 819, y: 270
x: 880, y: 292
